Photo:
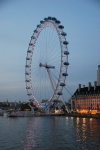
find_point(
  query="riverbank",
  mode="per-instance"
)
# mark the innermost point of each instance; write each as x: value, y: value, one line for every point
x: 30, y: 114
x: 83, y: 115
x: 69, y: 115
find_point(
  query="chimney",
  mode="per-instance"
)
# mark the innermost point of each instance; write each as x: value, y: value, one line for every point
x: 83, y: 86
x: 95, y: 84
x: 79, y: 87
x: 89, y: 86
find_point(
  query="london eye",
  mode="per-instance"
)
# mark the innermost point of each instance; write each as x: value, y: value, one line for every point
x: 46, y: 62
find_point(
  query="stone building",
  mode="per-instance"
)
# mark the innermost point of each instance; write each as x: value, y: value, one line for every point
x: 87, y: 99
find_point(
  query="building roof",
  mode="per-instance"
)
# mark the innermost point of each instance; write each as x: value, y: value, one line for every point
x: 85, y: 91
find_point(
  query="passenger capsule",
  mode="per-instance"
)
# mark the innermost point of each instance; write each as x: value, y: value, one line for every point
x: 27, y: 58
x: 65, y: 42
x: 59, y: 93
x: 45, y: 19
x: 66, y: 52
x: 27, y: 66
x: 30, y: 99
x: 32, y: 37
x: 30, y: 44
x: 61, y: 27
x: 64, y: 74
x: 41, y: 21
x: 35, y: 31
x: 57, y: 21
x: 29, y: 94
x: 26, y: 73
x: 49, y: 18
x: 63, y: 33
x: 29, y: 51
x: 38, y: 26
x: 66, y: 63
x: 54, y: 19
x: 62, y: 84
x: 27, y: 80
x: 27, y: 87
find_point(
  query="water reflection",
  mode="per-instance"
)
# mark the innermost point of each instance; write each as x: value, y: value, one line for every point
x: 87, y: 132
x: 30, y: 141
x: 62, y: 133
x: 49, y: 133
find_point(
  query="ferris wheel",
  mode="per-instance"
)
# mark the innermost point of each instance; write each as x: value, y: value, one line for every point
x: 46, y: 62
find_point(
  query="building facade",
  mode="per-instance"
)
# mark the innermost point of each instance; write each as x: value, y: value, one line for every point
x: 87, y: 99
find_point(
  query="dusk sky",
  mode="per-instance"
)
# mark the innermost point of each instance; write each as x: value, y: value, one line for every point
x: 18, y: 20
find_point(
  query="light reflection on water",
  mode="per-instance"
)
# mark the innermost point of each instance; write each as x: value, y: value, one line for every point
x: 49, y: 133
x: 29, y: 141
x: 87, y: 131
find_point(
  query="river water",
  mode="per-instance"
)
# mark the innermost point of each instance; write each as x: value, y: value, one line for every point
x: 49, y: 133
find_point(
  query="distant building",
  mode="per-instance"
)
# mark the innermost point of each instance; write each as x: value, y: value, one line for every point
x: 98, y: 76
x: 9, y: 105
x: 87, y: 99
